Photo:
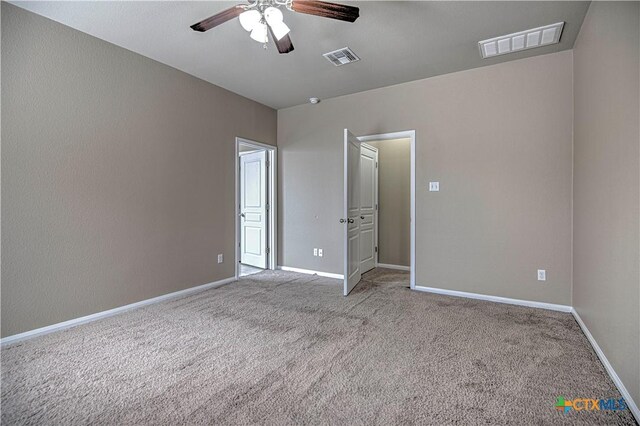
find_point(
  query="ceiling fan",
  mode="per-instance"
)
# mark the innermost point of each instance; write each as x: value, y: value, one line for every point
x: 264, y: 17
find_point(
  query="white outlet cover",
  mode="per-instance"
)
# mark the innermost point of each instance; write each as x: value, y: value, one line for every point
x: 434, y: 186
x: 220, y: 258
x: 320, y: 252
x: 542, y: 275
x: 315, y: 251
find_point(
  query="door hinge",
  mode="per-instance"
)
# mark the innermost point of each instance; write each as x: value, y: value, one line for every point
x: 376, y: 249
x: 268, y: 250
x: 376, y: 164
x: 267, y: 163
x: 376, y: 206
x: 268, y: 207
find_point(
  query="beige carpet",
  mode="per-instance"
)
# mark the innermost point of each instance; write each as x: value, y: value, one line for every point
x: 286, y: 348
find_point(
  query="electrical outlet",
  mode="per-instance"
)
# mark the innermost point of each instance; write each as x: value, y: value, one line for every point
x: 220, y: 258
x: 542, y: 275
x: 434, y: 186
x: 320, y: 252
x: 315, y: 251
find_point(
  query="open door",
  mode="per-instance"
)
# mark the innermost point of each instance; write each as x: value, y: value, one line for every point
x: 253, y: 209
x: 351, y: 220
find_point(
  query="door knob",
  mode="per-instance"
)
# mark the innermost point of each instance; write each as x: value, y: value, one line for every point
x: 350, y: 220
x: 362, y: 217
x: 343, y: 220
x: 241, y: 214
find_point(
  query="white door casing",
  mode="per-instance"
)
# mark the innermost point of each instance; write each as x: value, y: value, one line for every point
x: 253, y: 209
x: 368, y: 205
x: 351, y: 220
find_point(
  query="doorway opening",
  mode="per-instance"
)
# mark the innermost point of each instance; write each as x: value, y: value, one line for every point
x: 379, y: 204
x: 385, y: 182
x: 256, y: 172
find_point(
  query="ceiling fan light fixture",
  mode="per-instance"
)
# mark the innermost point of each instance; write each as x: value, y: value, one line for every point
x: 273, y: 14
x: 259, y: 33
x: 279, y: 29
x: 274, y: 18
x: 249, y: 19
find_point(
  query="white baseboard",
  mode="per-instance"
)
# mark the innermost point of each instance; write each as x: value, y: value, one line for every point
x: 389, y: 266
x: 111, y: 312
x: 607, y: 366
x: 498, y: 299
x: 309, y: 271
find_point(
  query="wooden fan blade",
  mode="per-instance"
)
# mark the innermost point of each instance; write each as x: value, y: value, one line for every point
x: 327, y: 10
x: 284, y: 45
x: 218, y: 18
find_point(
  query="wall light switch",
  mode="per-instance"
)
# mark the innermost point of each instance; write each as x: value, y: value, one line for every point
x: 434, y: 186
x: 220, y: 258
x: 320, y: 252
x: 315, y: 251
x: 542, y: 275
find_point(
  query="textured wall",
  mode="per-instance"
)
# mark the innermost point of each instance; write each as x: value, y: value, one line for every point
x: 606, y: 268
x: 499, y: 140
x: 394, y: 199
x: 117, y: 174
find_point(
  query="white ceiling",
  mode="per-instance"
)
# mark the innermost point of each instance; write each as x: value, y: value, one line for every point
x: 398, y: 41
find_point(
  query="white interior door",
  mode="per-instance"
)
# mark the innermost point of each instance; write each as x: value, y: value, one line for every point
x: 368, y: 204
x: 253, y: 209
x: 351, y: 218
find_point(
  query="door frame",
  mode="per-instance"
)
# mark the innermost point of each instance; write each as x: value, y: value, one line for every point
x: 411, y: 135
x: 272, y: 200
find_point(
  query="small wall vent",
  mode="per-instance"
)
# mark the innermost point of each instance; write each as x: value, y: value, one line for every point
x: 341, y: 56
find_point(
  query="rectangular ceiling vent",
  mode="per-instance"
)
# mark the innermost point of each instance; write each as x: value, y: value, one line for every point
x: 341, y: 56
x: 523, y: 40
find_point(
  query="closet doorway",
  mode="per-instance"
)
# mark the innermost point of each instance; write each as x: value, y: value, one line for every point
x: 379, y: 204
x: 255, y: 207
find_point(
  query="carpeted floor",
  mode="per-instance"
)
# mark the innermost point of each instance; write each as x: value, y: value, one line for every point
x: 285, y: 348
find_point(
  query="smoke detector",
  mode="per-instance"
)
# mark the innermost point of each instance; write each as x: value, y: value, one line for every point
x: 523, y: 40
x: 341, y: 56
x: 314, y: 100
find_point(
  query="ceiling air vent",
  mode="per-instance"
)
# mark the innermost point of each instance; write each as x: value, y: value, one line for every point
x: 535, y: 37
x: 341, y: 56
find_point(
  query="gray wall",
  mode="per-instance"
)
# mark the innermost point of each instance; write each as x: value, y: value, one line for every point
x: 117, y: 174
x: 606, y: 274
x: 499, y: 140
x: 394, y: 199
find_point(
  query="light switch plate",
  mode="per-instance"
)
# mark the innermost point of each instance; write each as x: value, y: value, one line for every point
x: 434, y: 186
x: 542, y: 275
x: 320, y: 252
x: 315, y: 251
x: 220, y: 258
